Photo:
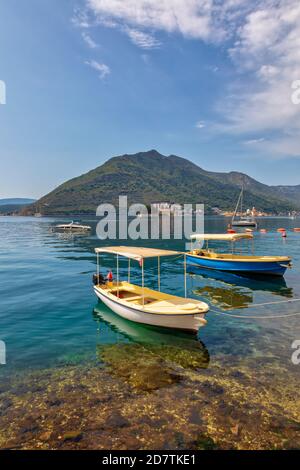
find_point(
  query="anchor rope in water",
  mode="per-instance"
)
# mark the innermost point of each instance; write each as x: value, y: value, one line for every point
x: 268, y: 303
x: 260, y: 317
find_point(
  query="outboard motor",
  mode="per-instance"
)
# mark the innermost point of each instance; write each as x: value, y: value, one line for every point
x: 98, y: 279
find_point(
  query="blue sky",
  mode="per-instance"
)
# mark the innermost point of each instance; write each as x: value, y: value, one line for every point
x: 208, y: 80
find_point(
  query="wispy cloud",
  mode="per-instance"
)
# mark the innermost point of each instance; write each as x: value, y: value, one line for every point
x: 141, y: 39
x: 254, y: 141
x: 101, y: 68
x: 81, y: 18
x: 190, y: 17
x: 88, y: 40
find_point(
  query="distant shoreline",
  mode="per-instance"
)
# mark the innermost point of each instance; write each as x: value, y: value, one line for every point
x: 93, y: 215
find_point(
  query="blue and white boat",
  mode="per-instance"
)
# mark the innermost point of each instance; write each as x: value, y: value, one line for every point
x: 235, y: 262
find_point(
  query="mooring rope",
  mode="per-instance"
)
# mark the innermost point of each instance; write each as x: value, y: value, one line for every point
x: 259, y: 317
x: 268, y: 303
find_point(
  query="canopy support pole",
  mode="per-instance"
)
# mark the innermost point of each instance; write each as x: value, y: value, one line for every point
x: 158, y: 267
x: 185, y: 287
x: 128, y: 270
x: 98, y: 270
x: 118, y: 276
x: 143, y: 283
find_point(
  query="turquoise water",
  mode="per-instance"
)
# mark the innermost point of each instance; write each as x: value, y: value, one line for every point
x: 47, y: 302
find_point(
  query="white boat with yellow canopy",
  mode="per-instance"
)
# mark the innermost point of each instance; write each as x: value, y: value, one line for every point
x: 236, y: 262
x: 141, y: 304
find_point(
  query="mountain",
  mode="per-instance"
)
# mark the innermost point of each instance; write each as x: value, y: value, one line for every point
x: 148, y: 177
x: 290, y: 192
x: 274, y: 194
x: 16, y: 201
x: 14, y: 205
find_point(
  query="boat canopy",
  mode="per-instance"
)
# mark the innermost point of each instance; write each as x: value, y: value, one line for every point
x: 230, y: 237
x: 136, y: 253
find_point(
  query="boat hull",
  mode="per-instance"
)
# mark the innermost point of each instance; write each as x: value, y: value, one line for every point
x: 183, y: 322
x: 272, y: 268
x: 243, y: 224
x: 73, y: 227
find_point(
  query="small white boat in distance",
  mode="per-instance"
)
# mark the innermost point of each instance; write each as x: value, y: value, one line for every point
x: 73, y: 227
x: 143, y: 305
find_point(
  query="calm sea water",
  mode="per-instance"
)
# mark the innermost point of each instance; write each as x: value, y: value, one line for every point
x: 47, y: 304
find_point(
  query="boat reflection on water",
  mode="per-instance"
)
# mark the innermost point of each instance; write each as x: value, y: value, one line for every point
x: 70, y: 236
x: 233, y: 298
x: 235, y: 291
x: 178, y: 347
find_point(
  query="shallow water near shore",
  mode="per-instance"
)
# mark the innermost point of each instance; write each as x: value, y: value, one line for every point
x: 78, y: 376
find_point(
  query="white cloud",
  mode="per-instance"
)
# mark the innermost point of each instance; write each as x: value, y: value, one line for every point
x: 282, y: 146
x: 254, y: 141
x: 190, y: 17
x: 103, y: 69
x: 81, y: 18
x: 267, y: 48
x: 262, y: 38
x: 141, y: 39
x: 267, y: 72
x: 211, y: 20
x: 208, y: 20
x: 88, y: 40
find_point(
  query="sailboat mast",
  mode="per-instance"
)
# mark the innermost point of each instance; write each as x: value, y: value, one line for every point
x: 242, y: 197
x: 237, y: 205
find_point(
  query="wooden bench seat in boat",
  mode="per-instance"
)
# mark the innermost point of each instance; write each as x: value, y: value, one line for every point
x: 154, y: 301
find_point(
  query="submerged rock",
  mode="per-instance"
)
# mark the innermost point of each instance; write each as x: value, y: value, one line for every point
x: 116, y: 420
x: 139, y: 399
x: 141, y: 370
